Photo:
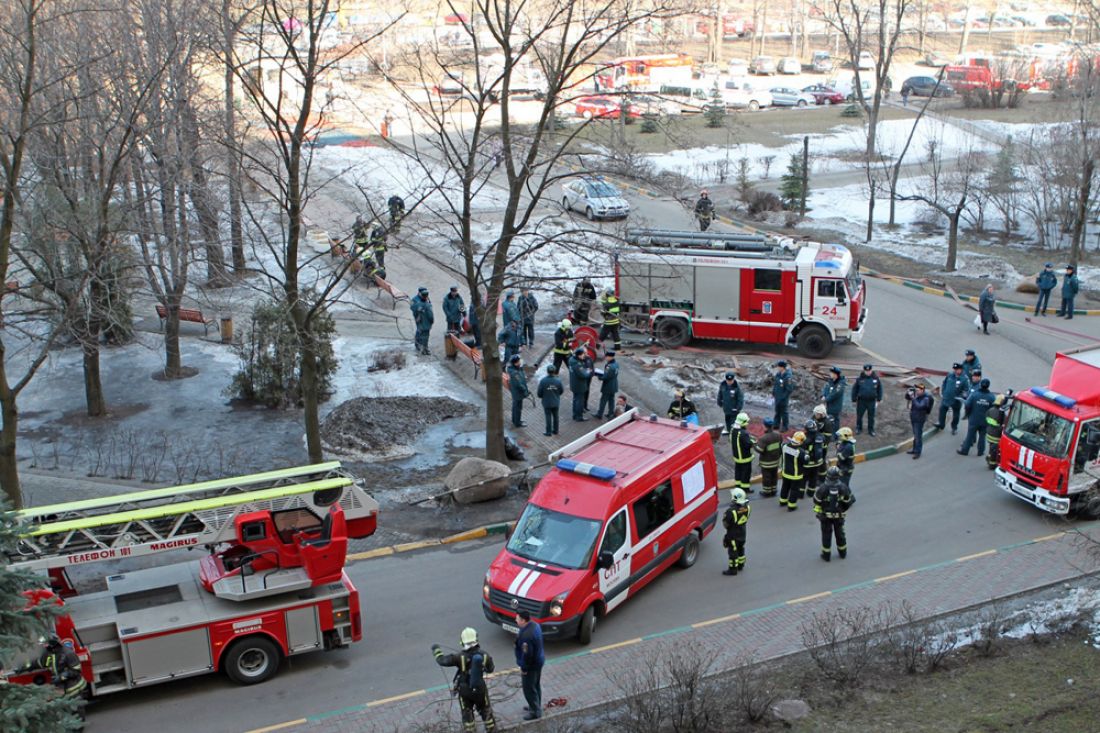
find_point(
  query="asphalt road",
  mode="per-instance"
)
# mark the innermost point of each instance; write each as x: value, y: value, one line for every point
x: 909, y: 514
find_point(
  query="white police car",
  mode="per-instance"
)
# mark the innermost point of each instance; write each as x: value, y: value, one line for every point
x: 597, y: 198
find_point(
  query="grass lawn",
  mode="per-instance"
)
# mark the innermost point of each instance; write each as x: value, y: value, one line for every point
x: 1036, y: 108
x: 1028, y: 688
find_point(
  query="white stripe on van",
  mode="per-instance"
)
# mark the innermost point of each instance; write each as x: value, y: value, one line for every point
x: 535, y: 575
x: 518, y: 580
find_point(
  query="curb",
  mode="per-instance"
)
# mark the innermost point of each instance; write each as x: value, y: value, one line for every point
x: 965, y: 298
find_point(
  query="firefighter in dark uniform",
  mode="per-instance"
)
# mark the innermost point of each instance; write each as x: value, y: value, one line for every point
x: 469, y: 683
x: 681, y: 407
x: 793, y: 471
x: 742, y: 443
x: 610, y: 309
x: 770, y: 448
x: 396, y: 206
x: 360, y: 237
x: 378, y: 244
x: 824, y: 424
x: 563, y: 340
x: 64, y: 667
x: 995, y: 422
x: 584, y: 295
x: 815, y: 457
x: 832, y: 500
x: 736, y: 520
x: 845, y: 454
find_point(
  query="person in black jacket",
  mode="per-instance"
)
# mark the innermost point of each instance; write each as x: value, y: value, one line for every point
x: 730, y: 399
x: 550, y: 390
x: 742, y: 443
x: 681, y: 407
x: 920, y: 407
x: 866, y: 393
x: 530, y: 658
x: 472, y: 665
x: 832, y: 500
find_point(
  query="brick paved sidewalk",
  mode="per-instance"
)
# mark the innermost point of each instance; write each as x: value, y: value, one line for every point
x: 769, y: 632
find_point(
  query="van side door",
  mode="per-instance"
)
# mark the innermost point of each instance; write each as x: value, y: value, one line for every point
x: 615, y: 580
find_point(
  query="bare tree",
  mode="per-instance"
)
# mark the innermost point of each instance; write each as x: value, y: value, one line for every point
x: 950, y: 190
x: 557, y: 41
x: 873, y: 26
x: 893, y: 169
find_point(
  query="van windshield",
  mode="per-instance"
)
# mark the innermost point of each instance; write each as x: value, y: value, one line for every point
x: 1039, y: 430
x: 552, y: 537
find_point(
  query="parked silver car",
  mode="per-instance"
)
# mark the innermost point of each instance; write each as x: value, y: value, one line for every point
x: 787, y: 97
x: 597, y: 198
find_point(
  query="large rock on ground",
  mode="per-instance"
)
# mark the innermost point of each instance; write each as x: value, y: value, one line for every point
x: 475, y: 480
x: 790, y: 710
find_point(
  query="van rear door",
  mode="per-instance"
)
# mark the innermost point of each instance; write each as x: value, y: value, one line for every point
x: 615, y: 580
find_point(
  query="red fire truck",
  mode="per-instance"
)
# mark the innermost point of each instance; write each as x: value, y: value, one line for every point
x: 741, y: 287
x: 273, y: 584
x: 645, y: 73
x: 1051, y: 440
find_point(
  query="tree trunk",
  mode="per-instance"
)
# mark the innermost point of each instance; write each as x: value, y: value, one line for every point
x: 1084, y: 193
x: 965, y: 31
x: 310, y: 399
x: 173, y: 366
x: 952, y: 240
x: 9, y: 466
x: 494, y: 383
x: 93, y: 385
x: 893, y: 195
x: 232, y: 159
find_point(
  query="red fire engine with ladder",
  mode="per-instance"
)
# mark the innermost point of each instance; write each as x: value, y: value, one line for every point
x: 741, y: 287
x: 273, y: 584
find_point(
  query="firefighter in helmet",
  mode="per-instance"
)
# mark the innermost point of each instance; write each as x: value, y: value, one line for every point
x: 832, y: 500
x: 815, y: 456
x: 735, y: 520
x: 995, y: 421
x: 563, y: 342
x: 742, y: 443
x: 378, y: 244
x: 845, y: 454
x: 610, y: 309
x: 63, y: 664
x: 681, y: 408
x: 793, y: 471
x: 472, y: 665
x: 704, y: 210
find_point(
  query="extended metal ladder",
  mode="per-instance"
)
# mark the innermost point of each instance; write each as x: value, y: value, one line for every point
x: 159, y: 520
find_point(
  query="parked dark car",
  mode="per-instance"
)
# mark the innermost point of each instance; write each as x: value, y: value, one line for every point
x: 824, y: 94
x: 1058, y: 20
x: 925, y: 86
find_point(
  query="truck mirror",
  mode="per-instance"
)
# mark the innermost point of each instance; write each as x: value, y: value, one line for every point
x: 509, y: 528
x: 605, y: 560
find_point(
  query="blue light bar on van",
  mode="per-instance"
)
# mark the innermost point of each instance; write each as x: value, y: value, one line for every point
x: 587, y: 469
x: 1055, y: 397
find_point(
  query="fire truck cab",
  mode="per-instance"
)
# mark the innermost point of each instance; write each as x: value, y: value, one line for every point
x: 621, y: 505
x: 1050, y: 446
x: 742, y: 287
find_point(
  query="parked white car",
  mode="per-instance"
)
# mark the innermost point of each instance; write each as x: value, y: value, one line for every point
x: 866, y: 61
x: 597, y: 198
x: 742, y: 95
x: 789, y: 65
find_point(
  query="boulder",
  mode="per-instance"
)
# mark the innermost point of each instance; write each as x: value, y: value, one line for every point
x: 790, y: 710
x: 475, y: 480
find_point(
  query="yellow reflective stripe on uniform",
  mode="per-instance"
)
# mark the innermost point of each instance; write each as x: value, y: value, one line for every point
x: 168, y: 510
x: 178, y: 491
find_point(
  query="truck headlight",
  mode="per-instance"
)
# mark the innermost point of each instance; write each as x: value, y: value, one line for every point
x: 485, y: 586
x: 557, y: 604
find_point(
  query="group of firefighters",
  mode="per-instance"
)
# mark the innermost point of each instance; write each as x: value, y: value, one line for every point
x: 369, y: 245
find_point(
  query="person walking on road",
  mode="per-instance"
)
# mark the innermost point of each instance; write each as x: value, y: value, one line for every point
x: 549, y: 392
x: 793, y: 471
x: 453, y: 310
x: 920, y: 407
x: 742, y: 443
x: 987, y: 308
x: 530, y: 658
x: 528, y: 306
x: 845, y: 454
x: 832, y: 500
x: 977, y: 405
x: 609, y: 385
x: 580, y: 379
x: 517, y: 386
x: 833, y: 394
x: 736, y: 520
x: 770, y: 448
x: 424, y: 317
x: 731, y: 399
x: 1070, y: 286
x: 472, y: 665
x: 1046, y: 282
x: 953, y: 393
x: 782, y: 389
x: 867, y: 393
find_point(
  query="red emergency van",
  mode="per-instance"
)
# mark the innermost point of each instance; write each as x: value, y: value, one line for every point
x: 620, y: 505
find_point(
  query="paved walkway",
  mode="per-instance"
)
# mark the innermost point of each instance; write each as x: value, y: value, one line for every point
x: 584, y: 678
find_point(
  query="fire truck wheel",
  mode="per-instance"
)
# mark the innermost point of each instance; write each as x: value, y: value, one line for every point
x: 1088, y: 506
x: 814, y: 341
x: 588, y: 626
x: 690, y: 552
x: 672, y: 332
x: 252, y: 660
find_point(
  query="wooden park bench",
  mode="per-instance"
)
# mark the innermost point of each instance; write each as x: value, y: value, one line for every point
x: 338, y: 251
x: 190, y: 315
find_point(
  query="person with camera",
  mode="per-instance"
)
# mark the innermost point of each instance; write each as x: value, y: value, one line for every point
x: 920, y: 407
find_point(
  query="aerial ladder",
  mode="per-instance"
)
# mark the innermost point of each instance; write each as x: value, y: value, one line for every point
x: 272, y: 583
